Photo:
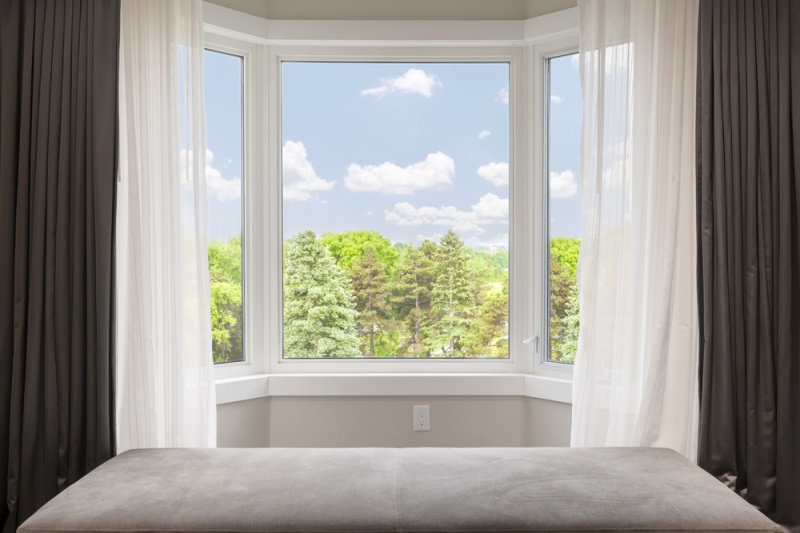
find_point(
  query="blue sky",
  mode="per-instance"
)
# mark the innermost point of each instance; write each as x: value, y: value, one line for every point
x: 408, y: 149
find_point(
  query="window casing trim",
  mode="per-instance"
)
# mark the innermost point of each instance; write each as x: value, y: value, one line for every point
x: 524, y: 51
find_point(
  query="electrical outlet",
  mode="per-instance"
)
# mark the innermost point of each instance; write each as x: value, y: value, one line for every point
x: 422, y: 418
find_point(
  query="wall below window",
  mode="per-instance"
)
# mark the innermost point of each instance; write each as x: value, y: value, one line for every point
x: 386, y: 421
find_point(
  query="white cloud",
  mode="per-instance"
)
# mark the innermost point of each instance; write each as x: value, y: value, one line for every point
x: 437, y: 170
x: 414, y: 81
x: 563, y: 184
x: 502, y: 95
x: 555, y: 98
x: 217, y: 186
x: 436, y: 237
x: 490, y: 209
x: 299, y: 178
x: 495, y: 173
x: 485, y: 133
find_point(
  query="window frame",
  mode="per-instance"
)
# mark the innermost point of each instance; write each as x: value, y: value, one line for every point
x: 252, y: 122
x: 542, y: 54
x: 530, y: 41
x: 519, y: 312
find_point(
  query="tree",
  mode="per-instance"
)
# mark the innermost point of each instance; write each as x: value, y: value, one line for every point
x: 572, y: 325
x: 566, y: 250
x: 452, y: 303
x: 348, y: 246
x: 563, y: 281
x: 371, y: 289
x: 225, y: 276
x: 413, y: 283
x: 319, y: 316
x: 488, y: 335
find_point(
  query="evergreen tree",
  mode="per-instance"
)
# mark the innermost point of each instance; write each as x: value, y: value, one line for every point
x: 371, y: 288
x: 452, y: 301
x: 414, y: 279
x: 319, y: 318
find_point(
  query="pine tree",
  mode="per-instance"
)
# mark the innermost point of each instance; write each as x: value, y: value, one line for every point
x: 452, y: 301
x: 414, y: 279
x: 319, y: 318
x: 371, y: 288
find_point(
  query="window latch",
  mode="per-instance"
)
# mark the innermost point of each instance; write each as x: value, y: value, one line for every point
x: 532, y: 342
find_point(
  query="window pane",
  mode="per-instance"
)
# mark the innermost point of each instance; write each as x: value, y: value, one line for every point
x: 564, y: 122
x: 224, y: 164
x: 395, y: 209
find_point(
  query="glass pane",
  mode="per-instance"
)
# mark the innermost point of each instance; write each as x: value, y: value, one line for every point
x: 395, y: 210
x: 564, y: 122
x: 224, y: 168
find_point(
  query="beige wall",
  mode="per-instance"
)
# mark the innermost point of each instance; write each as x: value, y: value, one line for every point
x: 386, y: 421
x: 243, y: 424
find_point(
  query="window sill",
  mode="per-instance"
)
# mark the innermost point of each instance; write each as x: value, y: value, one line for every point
x: 265, y: 385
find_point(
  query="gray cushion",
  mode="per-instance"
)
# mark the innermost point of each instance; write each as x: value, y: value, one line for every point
x: 387, y: 489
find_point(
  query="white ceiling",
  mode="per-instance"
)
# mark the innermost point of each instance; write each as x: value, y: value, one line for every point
x: 397, y: 9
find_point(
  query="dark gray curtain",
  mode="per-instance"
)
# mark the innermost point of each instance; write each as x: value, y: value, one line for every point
x: 58, y: 157
x: 748, y: 157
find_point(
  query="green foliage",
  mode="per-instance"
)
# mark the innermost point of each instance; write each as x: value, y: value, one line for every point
x: 492, y: 265
x: 564, y: 308
x: 355, y: 294
x: 371, y: 289
x: 452, y: 300
x: 348, y: 246
x: 565, y: 250
x: 319, y: 316
x: 572, y: 325
x: 225, y: 276
x: 412, y: 290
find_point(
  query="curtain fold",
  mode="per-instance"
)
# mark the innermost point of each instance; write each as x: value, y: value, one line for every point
x: 165, y: 374
x: 635, y: 371
x: 748, y: 193
x: 58, y: 161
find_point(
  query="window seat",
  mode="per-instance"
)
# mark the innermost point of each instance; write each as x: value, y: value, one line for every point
x: 391, y: 489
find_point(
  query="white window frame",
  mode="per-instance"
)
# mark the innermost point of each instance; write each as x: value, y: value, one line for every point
x: 525, y: 45
x: 520, y: 196
x: 542, y: 53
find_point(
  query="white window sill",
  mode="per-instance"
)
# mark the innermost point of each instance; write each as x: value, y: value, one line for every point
x: 264, y: 385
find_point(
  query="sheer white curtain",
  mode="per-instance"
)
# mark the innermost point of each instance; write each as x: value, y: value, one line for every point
x: 635, y: 381
x: 164, y: 371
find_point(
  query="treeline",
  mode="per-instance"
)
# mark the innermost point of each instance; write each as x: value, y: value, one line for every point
x: 355, y: 294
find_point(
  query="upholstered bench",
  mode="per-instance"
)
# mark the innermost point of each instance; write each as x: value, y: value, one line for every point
x: 388, y: 489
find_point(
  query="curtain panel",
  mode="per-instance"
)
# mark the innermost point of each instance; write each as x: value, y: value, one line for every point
x: 748, y: 193
x: 635, y: 371
x: 165, y: 373
x: 58, y: 163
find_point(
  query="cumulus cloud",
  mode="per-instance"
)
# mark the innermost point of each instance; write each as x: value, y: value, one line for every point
x: 436, y: 237
x: 217, y: 186
x: 563, y: 184
x: 485, y: 133
x: 299, y: 177
x: 494, y: 173
x: 502, y: 95
x: 437, y: 170
x: 414, y: 81
x: 490, y: 209
x: 555, y: 98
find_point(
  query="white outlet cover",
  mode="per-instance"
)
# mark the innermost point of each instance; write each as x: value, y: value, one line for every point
x: 422, y: 418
